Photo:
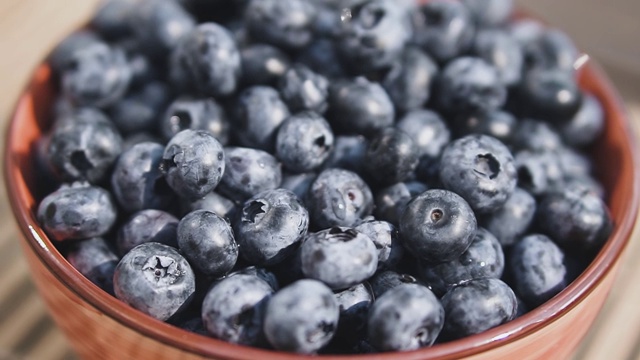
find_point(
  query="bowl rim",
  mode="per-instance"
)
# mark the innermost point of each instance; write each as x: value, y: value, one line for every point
x: 200, y: 345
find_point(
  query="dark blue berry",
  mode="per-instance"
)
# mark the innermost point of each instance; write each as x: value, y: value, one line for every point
x: 437, y: 226
x: 94, y: 259
x: 490, y: 13
x: 428, y: 131
x: 213, y: 202
x: 196, y: 114
x: 63, y: 52
x: 551, y: 49
x: 147, y: 226
x: 249, y: 172
x: 302, y: 89
x: 392, y: 200
x: 111, y: 20
x: 410, y: 79
x: 586, y: 125
x: 536, y: 136
x: 258, y: 113
x: 538, y: 172
x: 155, y: 279
x: 299, y: 184
x: 303, y: 142
x: 140, y: 110
x: 354, y: 304
x: 502, y: 51
x: 386, y: 280
x: 513, y: 219
x: 322, y: 57
x: 263, y: 64
x: 348, y: 153
x: 497, y: 123
x: 549, y: 94
x: 283, y: 23
x: 391, y: 157
x: 386, y: 240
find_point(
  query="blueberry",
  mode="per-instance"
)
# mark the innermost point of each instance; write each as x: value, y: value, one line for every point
x: 539, y: 172
x: 147, y: 226
x: 339, y: 257
x: 536, y: 136
x: 586, y: 125
x: 348, y: 153
x: 159, y: 25
x: 386, y: 280
x: 410, y: 79
x: 538, y: 269
x: 301, y: 317
x: 207, y: 241
x: 549, y: 94
x: 575, y: 218
x: 497, y: 123
x: 261, y: 273
x: 437, y: 226
x: 444, y: 29
x: 391, y: 201
x: 302, y: 89
x: 359, y: 106
x: 154, y: 279
x: 94, y: 259
x: 140, y: 109
x: 136, y: 138
x: 476, y: 306
x: 196, y: 114
x: 551, y: 49
x: 407, y: 318
x: 386, y: 240
x: 502, y: 51
x: 96, y: 75
x: 338, y: 197
x: 258, y: 113
x: 137, y: 181
x: 322, y: 57
x: 470, y: 84
x: 111, y: 20
x: 207, y: 60
x: 513, y: 219
x: 299, y: 184
x: 490, y: 13
x: 63, y: 52
x: 283, y: 23
x: 234, y: 309
x: 263, y: 64
x: 374, y: 34
x: 483, y: 259
x: 271, y: 226
x: 84, y: 146
x: 354, y: 304
x: 249, y: 172
x: 303, y: 142
x: 193, y: 163
x: 428, y: 131
x: 525, y: 30
x: 481, y: 169
x: 213, y: 202
x: 391, y: 157
x: 77, y: 211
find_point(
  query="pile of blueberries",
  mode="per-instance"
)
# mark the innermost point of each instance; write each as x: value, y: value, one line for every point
x: 322, y: 176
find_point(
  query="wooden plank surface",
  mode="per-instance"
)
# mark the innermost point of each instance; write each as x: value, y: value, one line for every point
x: 29, y: 28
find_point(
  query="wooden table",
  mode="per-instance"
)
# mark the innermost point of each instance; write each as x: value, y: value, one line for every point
x: 29, y: 28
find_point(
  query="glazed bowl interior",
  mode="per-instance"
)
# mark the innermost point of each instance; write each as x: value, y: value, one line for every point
x: 615, y: 159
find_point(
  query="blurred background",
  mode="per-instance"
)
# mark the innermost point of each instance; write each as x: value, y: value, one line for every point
x: 608, y: 31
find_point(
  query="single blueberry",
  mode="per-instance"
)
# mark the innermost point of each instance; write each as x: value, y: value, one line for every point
x: 409, y: 80
x: 483, y: 259
x: 263, y: 64
x: 94, y: 259
x: 213, y: 202
x: 480, y: 169
x: 497, y: 123
x: 552, y: 48
x: 586, y: 125
x: 77, y: 211
x: 140, y: 110
x: 271, y: 226
x: 249, y: 172
x: 155, y: 279
x: 501, y: 50
x: 392, y: 157
x: 525, y: 30
x: 386, y: 240
x: 469, y: 84
x: 513, y: 219
x: 84, y: 146
x: 339, y: 257
x: 444, y: 29
x: 258, y: 113
x: 354, y: 304
x: 383, y: 281
x: 283, y: 23
x: 111, y: 19
x: 539, y: 172
x: 147, y: 226
x: 234, y: 309
x: 490, y: 13
x: 96, y: 75
x: 302, y: 89
x: 299, y: 184
x: 551, y: 94
x: 63, y: 52
x: 338, y: 197
x: 207, y: 241
x: 476, y: 306
x: 303, y: 142
x: 358, y: 106
x: 302, y: 317
x: 196, y: 114
x: 536, y: 136
x: 538, y: 270
x: 322, y: 57
x: 575, y: 218
x: 137, y: 181
x: 428, y: 131
x: 193, y: 163
x: 391, y: 201
x: 407, y: 318
x: 437, y: 226
x: 348, y: 153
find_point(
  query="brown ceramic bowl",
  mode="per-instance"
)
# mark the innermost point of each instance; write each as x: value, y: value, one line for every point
x: 100, y: 326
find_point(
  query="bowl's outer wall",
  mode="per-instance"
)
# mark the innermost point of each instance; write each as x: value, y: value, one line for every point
x: 102, y: 327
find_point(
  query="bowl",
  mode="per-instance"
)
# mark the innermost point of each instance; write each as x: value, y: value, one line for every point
x: 100, y: 326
